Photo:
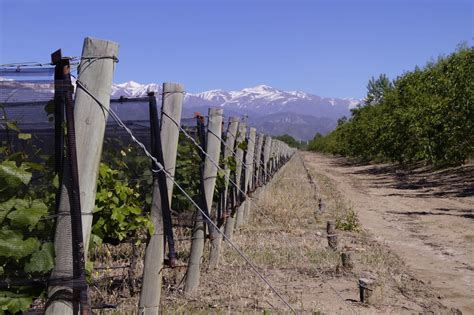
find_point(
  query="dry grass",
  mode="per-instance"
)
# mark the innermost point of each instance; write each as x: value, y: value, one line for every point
x: 469, y: 238
x: 291, y: 252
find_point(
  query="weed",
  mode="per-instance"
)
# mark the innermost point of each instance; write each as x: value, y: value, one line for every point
x: 348, y: 221
x: 469, y: 238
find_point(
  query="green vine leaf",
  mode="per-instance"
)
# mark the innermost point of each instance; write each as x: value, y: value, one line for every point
x: 13, y: 245
x: 13, y: 175
x: 43, y: 260
x: 13, y: 302
x: 26, y: 214
x: 12, y: 125
x: 6, y: 207
x: 24, y: 136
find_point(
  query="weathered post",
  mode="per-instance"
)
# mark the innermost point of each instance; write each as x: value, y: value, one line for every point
x: 240, y: 176
x: 258, y: 158
x: 213, y: 148
x: 370, y: 291
x: 95, y: 75
x: 239, y: 153
x: 321, y: 205
x: 266, y: 157
x: 331, y: 235
x: 272, y: 157
x: 228, y: 153
x: 347, y: 261
x: 150, y: 294
x: 249, y: 162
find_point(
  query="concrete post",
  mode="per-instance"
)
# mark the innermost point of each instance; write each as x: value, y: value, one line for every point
x: 154, y: 255
x: 249, y: 162
x: 95, y: 74
x: 266, y: 157
x: 213, y: 149
x: 229, y: 226
x: 258, y: 158
x: 228, y: 153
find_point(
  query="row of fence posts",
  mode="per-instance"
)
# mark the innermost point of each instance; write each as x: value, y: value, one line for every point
x: 257, y: 158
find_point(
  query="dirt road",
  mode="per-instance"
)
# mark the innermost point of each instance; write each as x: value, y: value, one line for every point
x: 425, y: 217
x: 286, y: 240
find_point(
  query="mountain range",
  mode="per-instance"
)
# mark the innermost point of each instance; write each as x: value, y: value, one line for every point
x: 270, y: 110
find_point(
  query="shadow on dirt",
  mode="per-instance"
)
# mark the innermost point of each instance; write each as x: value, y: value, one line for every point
x: 469, y: 214
x: 418, y: 181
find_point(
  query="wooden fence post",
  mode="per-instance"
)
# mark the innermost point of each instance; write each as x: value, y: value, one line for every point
x: 258, y: 159
x: 239, y: 153
x: 241, y: 178
x: 266, y: 157
x: 249, y: 162
x: 150, y: 294
x: 228, y: 152
x: 272, y: 157
x: 95, y: 74
x: 213, y: 148
x: 331, y: 235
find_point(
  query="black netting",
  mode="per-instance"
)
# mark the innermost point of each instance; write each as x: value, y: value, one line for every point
x: 121, y: 225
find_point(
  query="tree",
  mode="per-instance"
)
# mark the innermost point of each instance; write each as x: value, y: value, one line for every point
x: 292, y: 142
x: 376, y: 89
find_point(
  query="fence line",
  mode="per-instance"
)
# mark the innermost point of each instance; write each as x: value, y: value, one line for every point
x: 161, y: 168
x: 279, y: 152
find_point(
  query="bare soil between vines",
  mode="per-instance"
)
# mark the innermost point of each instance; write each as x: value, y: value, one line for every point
x: 424, y: 216
x: 421, y: 261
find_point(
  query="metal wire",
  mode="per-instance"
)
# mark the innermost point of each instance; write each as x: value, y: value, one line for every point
x: 241, y: 161
x: 48, y: 64
x: 162, y: 169
x: 187, y: 135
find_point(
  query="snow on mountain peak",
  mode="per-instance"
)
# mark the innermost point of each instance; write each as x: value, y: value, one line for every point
x: 133, y: 89
x: 130, y: 85
x: 352, y: 102
x: 299, y: 94
x: 261, y: 98
x: 260, y: 89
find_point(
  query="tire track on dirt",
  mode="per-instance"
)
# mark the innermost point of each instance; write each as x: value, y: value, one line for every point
x: 431, y: 231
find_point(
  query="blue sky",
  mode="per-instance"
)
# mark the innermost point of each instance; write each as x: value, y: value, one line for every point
x: 329, y: 48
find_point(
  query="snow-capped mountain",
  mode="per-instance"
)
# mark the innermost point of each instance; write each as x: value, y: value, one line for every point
x: 257, y: 101
x: 271, y: 110
x: 133, y: 89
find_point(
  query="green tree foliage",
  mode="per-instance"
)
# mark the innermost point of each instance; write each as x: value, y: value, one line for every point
x: 292, y: 142
x: 424, y: 115
x: 376, y: 89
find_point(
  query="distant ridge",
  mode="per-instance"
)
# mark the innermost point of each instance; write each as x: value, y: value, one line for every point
x: 271, y: 110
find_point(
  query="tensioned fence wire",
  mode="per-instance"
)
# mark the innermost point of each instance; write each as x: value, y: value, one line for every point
x: 26, y: 103
x: 118, y: 264
x: 27, y: 137
x: 197, y: 207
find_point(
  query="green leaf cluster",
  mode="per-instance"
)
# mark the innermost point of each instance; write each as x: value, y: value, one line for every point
x: 423, y: 115
x: 187, y: 175
x: 119, y: 208
x: 25, y: 248
x: 292, y: 142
